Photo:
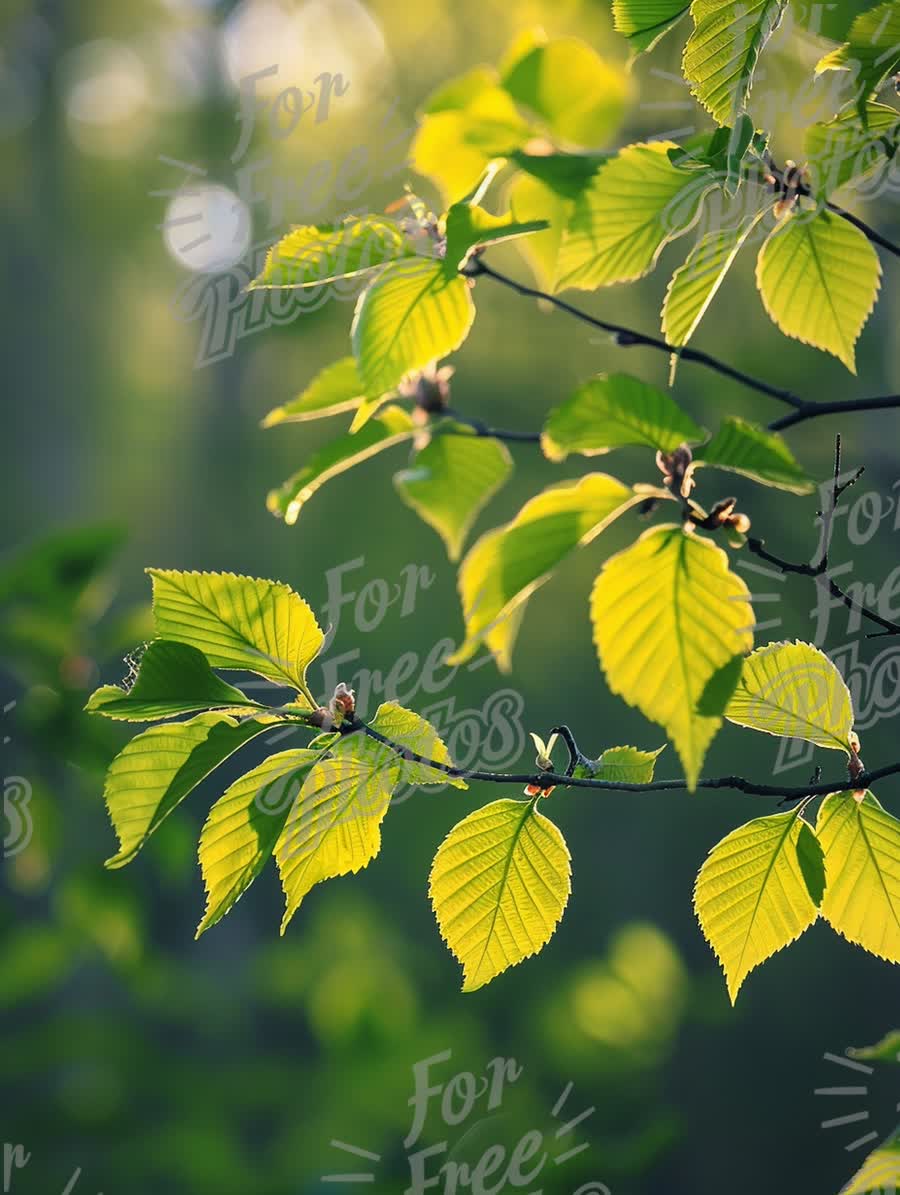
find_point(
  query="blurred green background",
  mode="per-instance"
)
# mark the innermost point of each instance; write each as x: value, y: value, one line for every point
x: 150, y: 1062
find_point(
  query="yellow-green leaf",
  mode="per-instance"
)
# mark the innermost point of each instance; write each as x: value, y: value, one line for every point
x: 871, y: 53
x: 580, y: 97
x: 158, y: 768
x: 451, y: 480
x: 311, y: 254
x: 531, y: 199
x: 861, y: 842
x: 499, y: 884
x: 508, y: 564
x: 243, y: 826
x: 846, y: 149
x: 753, y: 893
x: 751, y: 450
x: 612, y: 410
x: 411, y: 315
x: 239, y: 622
x: 172, y: 679
x: 644, y: 22
x: 819, y: 279
x: 636, y: 204
x: 668, y: 614
x: 695, y: 284
x: 623, y: 765
x: 794, y: 691
x: 334, y: 826
x: 886, y: 1050
x: 414, y: 733
x: 469, y: 225
x: 722, y: 52
x: 334, y: 389
x: 879, y: 1173
x: 393, y: 426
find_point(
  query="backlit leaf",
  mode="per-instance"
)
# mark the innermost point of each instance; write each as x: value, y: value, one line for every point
x: 334, y: 826
x: 509, y: 563
x: 172, y: 679
x: 579, y: 96
x: 752, y: 896
x: 722, y: 52
x: 879, y: 1173
x: 311, y: 255
x: 861, y: 842
x: 644, y: 22
x: 612, y: 410
x: 334, y: 389
x: 238, y: 622
x: 451, y: 480
x: 886, y: 1050
x: 695, y: 284
x: 667, y: 614
x: 623, y: 765
x: 747, y: 448
x: 872, y: 52
x: 158, y: 768
x: 636, y: 204
x: 499, y: 884
x: 819, y: 279
x: 794, y: 691
x: 243, y: 826
x: 392, y: 426
x: 416, y: 734
x: 846, y: 150
x: 411, y: 315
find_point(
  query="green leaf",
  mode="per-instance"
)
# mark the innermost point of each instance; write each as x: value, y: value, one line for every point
x: 334, y: 389
x: 886, y: 1050
x: 334, y: 826
x: 508, y: 564
x: 243, y: 826
x: 530, y: 199
x: 416, y: 734
x: 752, y: 896
x: 879, y: 1173
x: 172, y: 679
x: 794, y: 691
x: 668, y: 608
x: 580, y: 97
x: 451, y: 481
x: 499, y: 884
x: 636, y: 204
x: 158, y: 768
x: 469, y: 225
x: 239, y: 622
x: 848, y: 149
x: 624, y: 765
x: 474, y: 123
x: 644, y: 22
x: 695, y: 284
x: 861, y: 842
x: 872, y: 52
x: 392, y: 426
x: 612, y: 410
x: 313, y: 254
x: 751, y: 450
x: 410, y: 316
x: 722, y: 52
x: 566, y: 175
x: 819, y: 279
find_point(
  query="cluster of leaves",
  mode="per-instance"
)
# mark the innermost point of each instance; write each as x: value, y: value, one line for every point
x: 501, y: 879
x: 672, y: 621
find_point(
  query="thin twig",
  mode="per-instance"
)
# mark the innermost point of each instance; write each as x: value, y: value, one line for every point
x: 819, y: 571
x: 480, y: 428
x: 815, y: 410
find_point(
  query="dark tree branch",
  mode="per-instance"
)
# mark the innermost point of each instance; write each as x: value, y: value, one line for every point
x: 547, y: 779
x: 814, y: 410
x: 480, y: 428
x: 628, y: 337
